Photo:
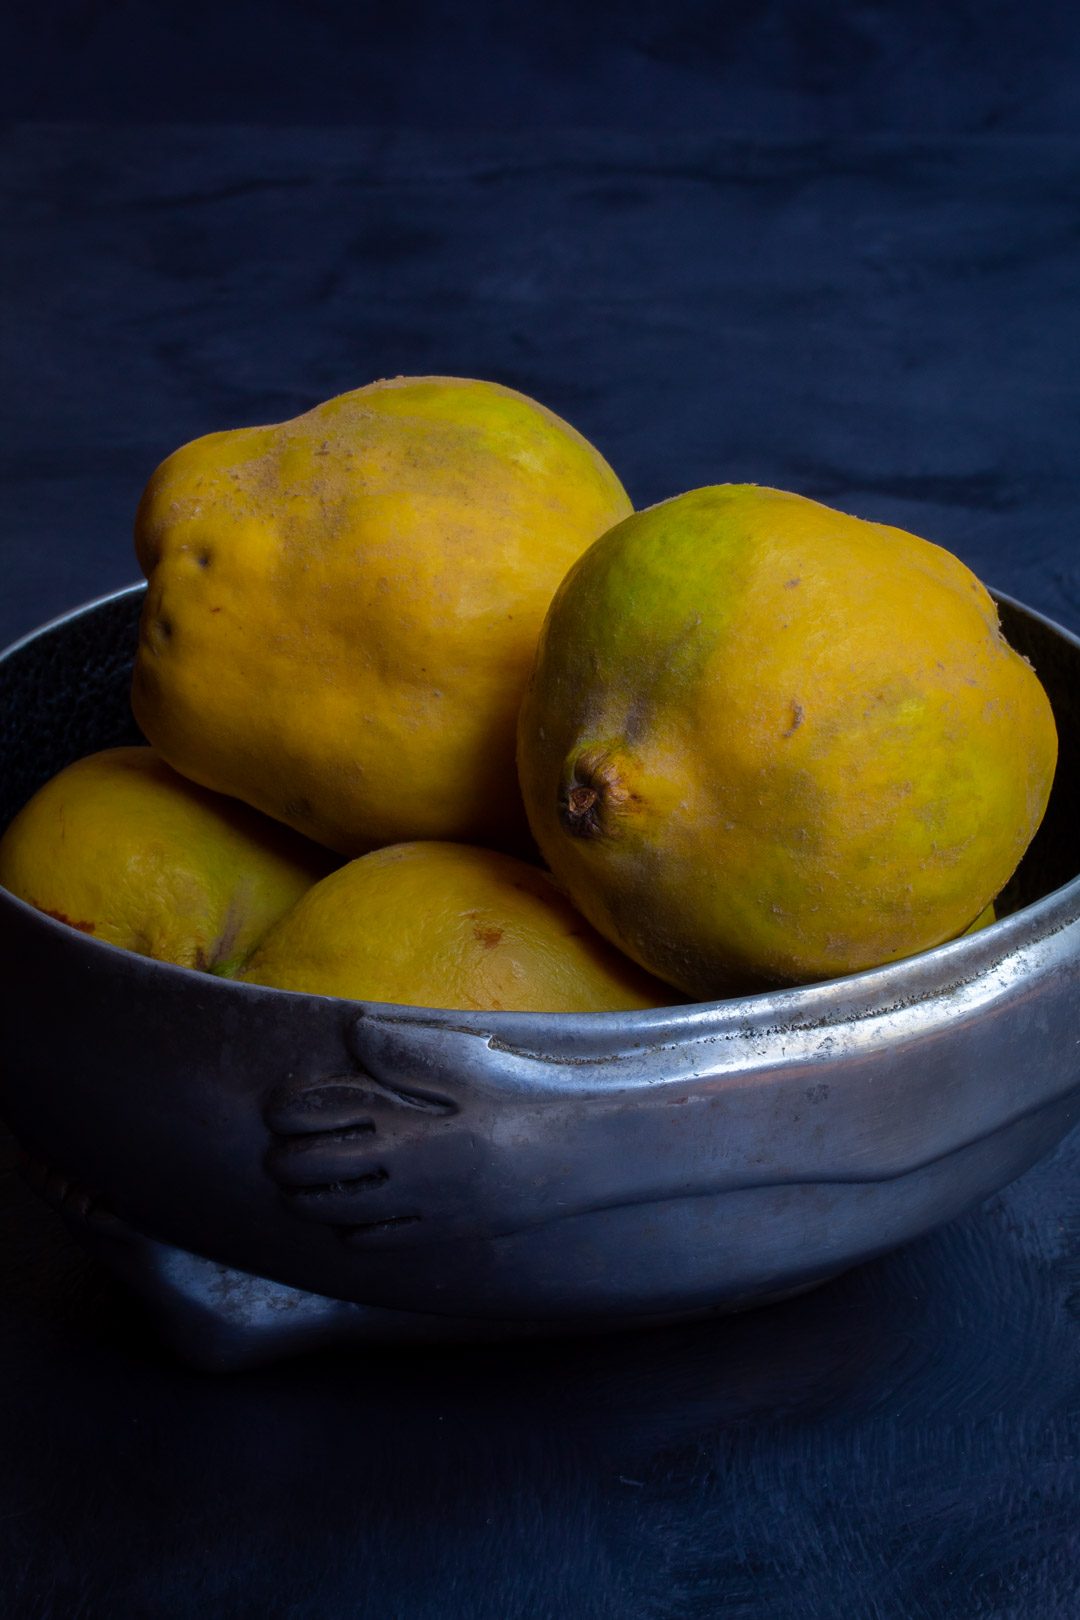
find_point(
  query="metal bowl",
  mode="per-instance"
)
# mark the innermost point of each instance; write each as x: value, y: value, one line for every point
x: 272, y: 1168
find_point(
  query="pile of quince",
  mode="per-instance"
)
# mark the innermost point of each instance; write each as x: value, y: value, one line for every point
x: 400, y: 650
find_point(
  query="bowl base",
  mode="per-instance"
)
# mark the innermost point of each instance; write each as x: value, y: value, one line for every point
x: 219, y: 1318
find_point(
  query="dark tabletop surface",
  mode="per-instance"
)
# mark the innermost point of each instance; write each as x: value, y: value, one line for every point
x: 889, y: 323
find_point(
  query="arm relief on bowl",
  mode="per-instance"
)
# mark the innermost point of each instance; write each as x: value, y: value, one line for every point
x: 442, y: 1133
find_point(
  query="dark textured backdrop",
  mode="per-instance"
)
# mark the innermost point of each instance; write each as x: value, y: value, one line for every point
x: 780, y: 68
x: 831, y: 247
x: 888, y: 323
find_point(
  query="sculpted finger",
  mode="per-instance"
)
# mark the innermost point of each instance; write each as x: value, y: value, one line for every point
x: 344, y: 1203
x: 425, y: 1063
x: 314, y: 1106
x: 413, y: 1061
x: 395, y: 1232
x: 435, y: 1226
x: 320, y: 1160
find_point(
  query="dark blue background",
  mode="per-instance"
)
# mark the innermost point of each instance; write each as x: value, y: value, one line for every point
x: 776, y: 68
x: 835, y: 248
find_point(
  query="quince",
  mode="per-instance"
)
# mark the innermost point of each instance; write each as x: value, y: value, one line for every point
x: 767, y: 742
x: 119, y: 846
x: 343, y: 608
x: 448, y: 925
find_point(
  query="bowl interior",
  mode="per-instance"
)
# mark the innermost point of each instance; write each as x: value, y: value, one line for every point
x: 64, y: 692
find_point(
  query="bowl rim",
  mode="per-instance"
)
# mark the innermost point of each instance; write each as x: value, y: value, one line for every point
x: 936, y: 973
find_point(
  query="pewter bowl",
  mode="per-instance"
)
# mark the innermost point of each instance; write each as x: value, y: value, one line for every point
x: 273, y: 1169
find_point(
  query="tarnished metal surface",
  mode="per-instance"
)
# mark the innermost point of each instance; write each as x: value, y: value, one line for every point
x: 442, y: 1168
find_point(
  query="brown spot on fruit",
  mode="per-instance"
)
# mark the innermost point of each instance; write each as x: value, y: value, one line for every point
x: 796, y: 719
x: 487, y: 935
x: 83, y: 927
